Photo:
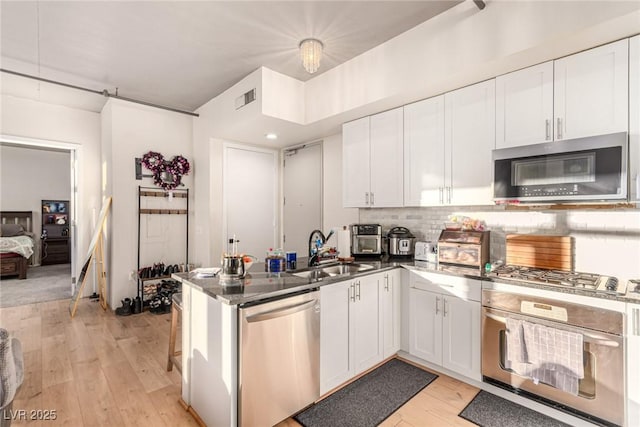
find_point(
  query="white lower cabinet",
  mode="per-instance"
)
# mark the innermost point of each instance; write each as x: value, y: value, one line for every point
x: 350, y: 335
x: 359, y: 325
x: 445, y: 323
x: 390, y: 311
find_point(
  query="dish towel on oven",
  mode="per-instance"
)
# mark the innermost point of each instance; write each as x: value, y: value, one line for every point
x: 516, y: 354
x: 555, y: 356
x: 549, y: 355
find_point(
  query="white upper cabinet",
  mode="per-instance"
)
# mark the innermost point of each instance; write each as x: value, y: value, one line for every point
x: 386, y: 159
x: 424, y: 152
x: 580, y: 95
x: 634, y: 118
x: 372, y: 162
x: 448, y: 143
x: 355, y: 163
x: 524, y: 106
x: 591, y: 92
x: 469, y: 137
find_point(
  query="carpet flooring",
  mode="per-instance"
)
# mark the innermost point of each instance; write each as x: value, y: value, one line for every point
x: 489, y: 410
x: 369, y: 400
x: 44, y: 283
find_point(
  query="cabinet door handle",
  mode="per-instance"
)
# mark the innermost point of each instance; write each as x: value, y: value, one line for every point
x: 358, y: 288
x: 636, y: 321
x: 371, y: 199
x: 437, y: 305
x: 441, y: 193
x: 449, y: 195
x: 386, y: 282
x: 559, y: 127
x: 547, y: 128
x: 444, y: 304
x: 352, y: 292
x: 366, y: 198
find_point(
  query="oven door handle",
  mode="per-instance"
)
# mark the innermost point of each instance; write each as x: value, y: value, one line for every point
x: 591, y: 338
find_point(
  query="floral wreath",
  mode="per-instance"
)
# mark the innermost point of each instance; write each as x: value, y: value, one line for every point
x: 177, y: 167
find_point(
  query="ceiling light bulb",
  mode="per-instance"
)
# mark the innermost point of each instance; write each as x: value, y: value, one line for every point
x: 311, y: 53
x: 271, y: 136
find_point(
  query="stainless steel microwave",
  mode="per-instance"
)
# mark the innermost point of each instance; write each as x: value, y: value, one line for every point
x: 581, y: 169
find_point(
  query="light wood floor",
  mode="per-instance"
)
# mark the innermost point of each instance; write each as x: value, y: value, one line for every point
x: 96, y: 369
x: 99, y: 369
x: 437, y: 405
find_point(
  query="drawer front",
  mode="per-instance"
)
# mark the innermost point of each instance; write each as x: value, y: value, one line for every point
x: 7, y: 267
x: 460, y: 287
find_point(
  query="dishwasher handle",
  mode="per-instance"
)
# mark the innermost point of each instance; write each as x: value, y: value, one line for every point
x: 281, y: 312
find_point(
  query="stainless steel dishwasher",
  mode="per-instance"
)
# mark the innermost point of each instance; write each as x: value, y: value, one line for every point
x: 279, y: 358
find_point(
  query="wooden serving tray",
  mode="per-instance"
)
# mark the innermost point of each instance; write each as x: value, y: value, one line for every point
x: 540, y: 251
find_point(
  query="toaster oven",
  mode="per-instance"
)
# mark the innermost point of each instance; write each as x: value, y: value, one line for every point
x: 366, y: 239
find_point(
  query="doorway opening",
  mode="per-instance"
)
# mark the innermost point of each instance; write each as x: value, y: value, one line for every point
x: 39, y: 182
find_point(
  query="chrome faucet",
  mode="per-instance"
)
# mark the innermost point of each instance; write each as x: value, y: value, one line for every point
x: 316, y: 240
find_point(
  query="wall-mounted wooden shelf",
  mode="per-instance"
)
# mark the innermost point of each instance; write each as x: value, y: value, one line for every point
x: 164, y: 211
x: 176, y: 193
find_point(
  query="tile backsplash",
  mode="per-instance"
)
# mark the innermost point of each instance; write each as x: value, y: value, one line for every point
x: 606, y: 241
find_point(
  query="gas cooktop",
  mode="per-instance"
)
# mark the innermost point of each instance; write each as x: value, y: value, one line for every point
x: 567, y: 279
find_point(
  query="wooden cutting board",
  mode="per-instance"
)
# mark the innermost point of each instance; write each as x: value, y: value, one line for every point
x: 540, y: 251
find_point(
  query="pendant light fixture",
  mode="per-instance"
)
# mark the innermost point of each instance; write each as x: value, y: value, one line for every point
x: 311, y: 53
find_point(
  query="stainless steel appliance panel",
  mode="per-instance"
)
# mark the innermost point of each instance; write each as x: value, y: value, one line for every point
x: 279, y: 366
x: 601, y: 391
x: 592, y: 168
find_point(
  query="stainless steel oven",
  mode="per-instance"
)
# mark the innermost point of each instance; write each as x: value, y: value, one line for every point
x: 600, y: 394
x: 593, y: 168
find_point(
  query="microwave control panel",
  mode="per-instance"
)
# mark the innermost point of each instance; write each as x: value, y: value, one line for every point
x: 543, y: 191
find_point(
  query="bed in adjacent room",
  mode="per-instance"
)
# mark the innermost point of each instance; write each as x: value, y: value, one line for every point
x: 17, y: 243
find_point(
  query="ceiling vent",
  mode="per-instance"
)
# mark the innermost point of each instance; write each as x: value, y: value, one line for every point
x: 245, y: 98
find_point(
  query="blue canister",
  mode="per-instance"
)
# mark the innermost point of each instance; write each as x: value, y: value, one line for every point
x: 275, y: 264
x: 292, y: 260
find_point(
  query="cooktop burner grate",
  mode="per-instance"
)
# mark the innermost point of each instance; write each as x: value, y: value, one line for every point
x: 572, y: 279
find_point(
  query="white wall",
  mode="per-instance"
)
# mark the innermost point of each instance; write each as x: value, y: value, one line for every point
x: 465, y: 45
x: 129, y: 131
x: 31, y: 119
x: 28, y: 176
x: 334, y: 215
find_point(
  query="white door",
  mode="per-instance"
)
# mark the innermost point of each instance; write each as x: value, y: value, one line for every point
x: 355, y: 163
x: 250, y: 195
x: 425, y: 325
x: 591, y: 92
x: 386, y: 159
x: 461, y: 332
x: 335, y: 368
x: 302, y: 211
x: 424, y: 152
x: 390, y: 300
x: 470, y: 136
x: 633, y: 370
x: 524, y: 106
x: 634, y: 118
x: 367, y: 345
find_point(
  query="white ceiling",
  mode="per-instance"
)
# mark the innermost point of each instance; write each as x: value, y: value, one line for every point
x: 181, y: 53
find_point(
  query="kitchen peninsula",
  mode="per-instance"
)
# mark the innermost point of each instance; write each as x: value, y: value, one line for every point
x: 212, y: 327
x: 217, y: 313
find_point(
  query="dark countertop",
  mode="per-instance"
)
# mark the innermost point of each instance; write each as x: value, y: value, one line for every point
x: 258, y: 284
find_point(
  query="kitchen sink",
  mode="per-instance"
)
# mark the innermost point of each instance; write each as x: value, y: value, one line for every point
x: 314, y: 274
x: 318, y: 273
x: 340, y: 269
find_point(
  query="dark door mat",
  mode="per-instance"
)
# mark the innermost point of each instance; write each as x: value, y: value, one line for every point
x: 489, y: 410
x: 369, y: 400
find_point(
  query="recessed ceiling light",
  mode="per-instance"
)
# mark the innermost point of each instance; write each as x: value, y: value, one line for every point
x: 271, y: 136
